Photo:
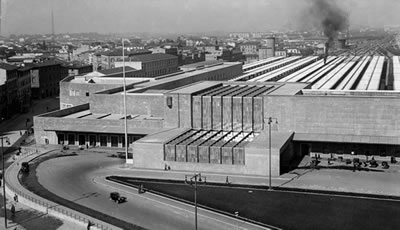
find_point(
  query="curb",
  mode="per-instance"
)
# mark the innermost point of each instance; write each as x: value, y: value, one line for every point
x: 339, y: 193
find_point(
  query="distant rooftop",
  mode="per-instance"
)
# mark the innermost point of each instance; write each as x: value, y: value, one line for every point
x: 107, y: 80
x: 152, y: 57
x: 77, y: 65
x: 8, y: 67
x: 201, y: 64
x: 160, y: 83
x: 127, y: 53
x: 213, y: 88
x: 116, y: 70
x: 29, y: 66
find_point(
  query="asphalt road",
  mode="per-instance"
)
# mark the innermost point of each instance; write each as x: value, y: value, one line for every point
x: 288, y: 209
x: 81, y: 179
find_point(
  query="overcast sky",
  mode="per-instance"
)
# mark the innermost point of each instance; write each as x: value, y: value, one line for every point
x: 181, y: 16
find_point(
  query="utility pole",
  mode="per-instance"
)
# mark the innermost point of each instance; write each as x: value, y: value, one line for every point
x: 1, y: 15
x: 270, y: 119
x: 193, y: 182
x: 52, y: 27
x: 4, y: 181
x: 125, y: 114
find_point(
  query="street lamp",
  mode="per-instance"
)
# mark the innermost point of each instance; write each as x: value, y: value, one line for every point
x: 270, y: 120
x: 126, y: 118
x: 4, y: 181
x: 193, y: 182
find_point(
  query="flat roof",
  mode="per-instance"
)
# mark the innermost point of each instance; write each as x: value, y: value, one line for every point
x: 212, y: 88
x: 202, y: 64
x: 187, y: 74
x: 152, y: 57
x: 341, y: 138
x: 288, y: 88
x: 195, y: 87
x: 78, y: 114
x: 108, y: 80
x: 116, y: 70
x: 163, y: 136
x: 103, y: 128
x: 278, y: 139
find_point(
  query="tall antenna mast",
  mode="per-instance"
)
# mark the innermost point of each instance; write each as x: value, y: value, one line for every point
x: 1, y: 15
x: 52, y: 25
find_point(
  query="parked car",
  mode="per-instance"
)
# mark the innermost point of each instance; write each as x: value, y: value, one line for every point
x: 373, y: 163
x: 117, y: 198
x: 385, y: 165
x: 25, y: 167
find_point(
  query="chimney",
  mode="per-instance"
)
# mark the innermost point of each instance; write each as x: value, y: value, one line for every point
x: 326, y: 50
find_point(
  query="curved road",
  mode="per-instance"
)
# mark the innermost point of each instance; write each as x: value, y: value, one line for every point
x: 81, y: 179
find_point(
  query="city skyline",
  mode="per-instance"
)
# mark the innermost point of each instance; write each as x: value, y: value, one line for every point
x: 157, y: 16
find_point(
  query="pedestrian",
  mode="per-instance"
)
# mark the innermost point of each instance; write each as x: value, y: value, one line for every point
x: 227, y: 180
x: 87, y: 145
x: 12, y: 210
x: 89, y: 225
x: 16, y: 197
x: 20, y: 133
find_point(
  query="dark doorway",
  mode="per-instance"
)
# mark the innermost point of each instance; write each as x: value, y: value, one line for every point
x: 71, y: 139
x: 82, y: 140
x: 92, y: 140
x: 305, y: 149
x: 114, y: 141
x: 60, y: 138
x: 103, y: 140
x: 123, y: 141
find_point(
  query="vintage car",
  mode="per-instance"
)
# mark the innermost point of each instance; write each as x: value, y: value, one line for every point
x: 117, y: 198
x: 25, y: 167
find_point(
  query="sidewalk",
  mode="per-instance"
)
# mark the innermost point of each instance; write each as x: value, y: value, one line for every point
x: 26, y: 218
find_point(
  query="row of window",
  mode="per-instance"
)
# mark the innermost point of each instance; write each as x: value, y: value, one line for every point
x: 158, y: 72
x: 217, y: 77
x: 162, y: 63
x: 103, y: 140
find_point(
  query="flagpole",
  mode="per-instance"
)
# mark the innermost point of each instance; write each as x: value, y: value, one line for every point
x: 126, y: 118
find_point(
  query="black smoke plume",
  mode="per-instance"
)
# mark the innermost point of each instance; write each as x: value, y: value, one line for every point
x: 330, y: 17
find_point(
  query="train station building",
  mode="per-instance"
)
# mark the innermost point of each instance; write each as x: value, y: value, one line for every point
x: 203, y: 120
